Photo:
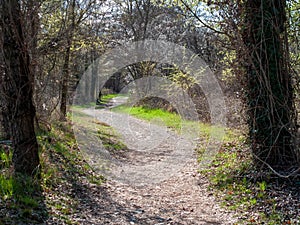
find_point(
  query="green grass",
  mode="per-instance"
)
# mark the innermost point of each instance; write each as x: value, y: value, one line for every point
x: 6, y: 186
x: 169, y: 119
x: 174, y: 121
x: 110, y: 138
x: 64, y: 166
x: 21, y: 194
x: 226, y: 176
x: 61, y: 142
x: 17, y: 186
x: 104, y: 99
x: 108, y: 97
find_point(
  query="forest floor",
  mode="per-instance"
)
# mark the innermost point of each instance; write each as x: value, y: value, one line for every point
x: 140, y: 173
x: 155, y: 181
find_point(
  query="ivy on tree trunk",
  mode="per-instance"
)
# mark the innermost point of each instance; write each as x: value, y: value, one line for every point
x: 270, y: 95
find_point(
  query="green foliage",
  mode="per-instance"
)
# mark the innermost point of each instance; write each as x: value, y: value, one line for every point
x: 181, y: 79
x: 294, y: 34
x: 229, y: 59
x: 19, y: 193
x: 5, y: 157
x: 6, y: 186
x: 20, y: 189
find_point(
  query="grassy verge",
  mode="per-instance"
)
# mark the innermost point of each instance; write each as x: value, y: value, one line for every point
x: 65, y: 172
x: 21, y: 199
x: 109, y: 137
x: 173, y: 121
x: 53, y: 196
x: 87, y: 105
x: 257, y: 196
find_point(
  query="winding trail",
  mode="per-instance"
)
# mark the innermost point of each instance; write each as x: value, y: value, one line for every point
x: 156, y: 183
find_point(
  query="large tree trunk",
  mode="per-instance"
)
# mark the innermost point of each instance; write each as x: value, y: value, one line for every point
x: 4, y: 121
x: 270, y: 92
x: 16, y: 85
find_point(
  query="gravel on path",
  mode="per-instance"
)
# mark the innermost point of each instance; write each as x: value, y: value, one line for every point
x: 158, y: 182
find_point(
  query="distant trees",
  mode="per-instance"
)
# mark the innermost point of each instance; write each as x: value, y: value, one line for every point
x: 17, y: 89
x: 68, y: 41
x: 72, y: 34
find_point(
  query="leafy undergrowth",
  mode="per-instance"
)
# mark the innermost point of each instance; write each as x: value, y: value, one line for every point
x: 53, y: 196
x: 21, y: 199
x: 257, y: 196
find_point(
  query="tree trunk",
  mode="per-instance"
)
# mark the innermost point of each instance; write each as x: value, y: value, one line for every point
x: 17, y: 87
x: 270, y: 92
x: 66, y: 66
x: 65, y: 83
x: 4, y: 121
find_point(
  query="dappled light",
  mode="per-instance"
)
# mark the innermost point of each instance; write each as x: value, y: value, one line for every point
x: 149, y: 112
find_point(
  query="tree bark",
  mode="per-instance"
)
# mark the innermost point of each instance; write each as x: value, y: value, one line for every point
x: 65, y: 82
x: 66, y: 66
x: 270, y: 96
x: 17, y: 88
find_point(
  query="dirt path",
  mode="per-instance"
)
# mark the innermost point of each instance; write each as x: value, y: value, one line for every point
x: 157, y: 183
